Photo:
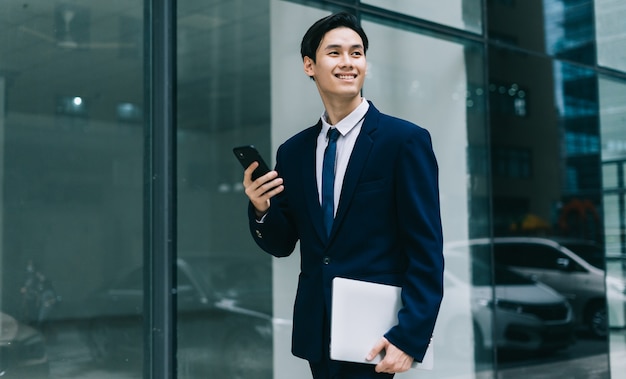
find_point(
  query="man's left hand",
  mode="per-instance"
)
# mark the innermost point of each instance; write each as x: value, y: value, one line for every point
x: 395, y: 360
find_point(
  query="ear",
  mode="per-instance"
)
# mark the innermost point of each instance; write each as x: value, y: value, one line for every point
x: 309, y: 67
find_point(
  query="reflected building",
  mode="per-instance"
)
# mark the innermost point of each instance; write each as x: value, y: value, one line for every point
x: 545, y: 125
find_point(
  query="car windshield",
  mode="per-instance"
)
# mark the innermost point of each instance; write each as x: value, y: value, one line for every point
x: 590, y: 252
x: 481, y: 274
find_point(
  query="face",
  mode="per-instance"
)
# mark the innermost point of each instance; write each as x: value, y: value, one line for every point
x: 340, y: 66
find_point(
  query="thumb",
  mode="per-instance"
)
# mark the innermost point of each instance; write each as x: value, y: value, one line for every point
x: 380, y: 346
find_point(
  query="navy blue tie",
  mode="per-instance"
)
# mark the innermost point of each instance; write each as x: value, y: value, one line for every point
x: 328, y: 179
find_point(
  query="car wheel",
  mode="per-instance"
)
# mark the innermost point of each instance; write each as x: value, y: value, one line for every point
x: 248, y: 355
x: 597, y: 320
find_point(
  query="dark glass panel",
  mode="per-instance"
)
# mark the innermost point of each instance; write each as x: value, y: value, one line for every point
x: 71, y: 205
x: 547, y: 192
x: 224, y: 280
x: 561, y: 28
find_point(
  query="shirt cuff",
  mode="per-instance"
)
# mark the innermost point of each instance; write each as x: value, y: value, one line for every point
x: 260, y: 221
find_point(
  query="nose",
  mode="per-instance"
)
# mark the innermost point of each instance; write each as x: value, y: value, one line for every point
x: 346, y: 60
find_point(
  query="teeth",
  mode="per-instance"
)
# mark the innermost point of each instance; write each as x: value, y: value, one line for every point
x: 346, y: 76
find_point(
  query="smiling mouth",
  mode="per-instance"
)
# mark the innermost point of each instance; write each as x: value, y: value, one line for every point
x: 346, y: 76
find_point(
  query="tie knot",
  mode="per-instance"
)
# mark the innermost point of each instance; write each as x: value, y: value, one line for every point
x: 333, y: 134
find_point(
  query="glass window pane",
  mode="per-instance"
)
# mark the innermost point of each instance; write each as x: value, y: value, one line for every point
x: 612, y: 222
x: 561, y: 28
x: 461, y: 14
x: 613, y: 133
x: 550, y: 222
x: 611, y: 33
x: 610, y: 175
x: 71, y: 166
x: 224, y: 280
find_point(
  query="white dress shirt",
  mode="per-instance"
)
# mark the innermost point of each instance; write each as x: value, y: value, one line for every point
x: 349, y: 128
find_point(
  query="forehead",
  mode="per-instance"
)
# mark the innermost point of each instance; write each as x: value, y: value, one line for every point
x: 341, y: 36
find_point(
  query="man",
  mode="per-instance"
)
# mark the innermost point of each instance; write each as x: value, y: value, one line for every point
x: 384, y: 215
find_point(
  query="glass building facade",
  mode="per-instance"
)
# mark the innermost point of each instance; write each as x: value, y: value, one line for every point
x: 124, y: 244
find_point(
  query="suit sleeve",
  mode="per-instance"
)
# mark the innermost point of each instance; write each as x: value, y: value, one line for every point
x: 277, y: 234
x: 419, y: 220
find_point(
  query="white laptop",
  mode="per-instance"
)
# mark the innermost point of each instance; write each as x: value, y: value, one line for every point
x: 362, y: 312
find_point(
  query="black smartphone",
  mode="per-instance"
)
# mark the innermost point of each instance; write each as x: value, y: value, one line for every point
x: 248, y: 154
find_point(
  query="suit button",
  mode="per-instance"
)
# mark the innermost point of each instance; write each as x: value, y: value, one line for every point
x: 326, y: 260
x: 258, y: 234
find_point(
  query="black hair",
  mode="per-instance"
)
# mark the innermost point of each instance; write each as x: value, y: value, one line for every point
x: 313, y: 37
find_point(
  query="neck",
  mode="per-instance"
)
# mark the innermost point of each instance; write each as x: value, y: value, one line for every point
x: 338, y: 109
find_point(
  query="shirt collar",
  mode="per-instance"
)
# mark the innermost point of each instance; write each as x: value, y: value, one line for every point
x: 349, y: 122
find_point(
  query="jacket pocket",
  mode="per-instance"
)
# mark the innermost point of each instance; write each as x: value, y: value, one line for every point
x: 369, y: 186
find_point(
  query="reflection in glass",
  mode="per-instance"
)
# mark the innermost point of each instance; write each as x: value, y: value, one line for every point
x: 529, y: 317
x: 548, y: 219
x: 71, y: 178
x: 224, y: 316
x: 462, y: 14
x: 613, y: 136
x: 561, y: 28
x: 611, y: 33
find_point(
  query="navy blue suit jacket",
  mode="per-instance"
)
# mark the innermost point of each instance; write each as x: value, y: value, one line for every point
x: 387, y: 229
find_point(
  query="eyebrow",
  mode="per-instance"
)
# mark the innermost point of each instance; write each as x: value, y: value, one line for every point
x: 337, y: 46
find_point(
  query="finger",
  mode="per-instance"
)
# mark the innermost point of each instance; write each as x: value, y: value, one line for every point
x: 260, y: 196
x: 377, y: 349
x: 264, y: 179
x: 263, y: 185
x: 385, y: 365
x: 247, y: 173
x: 395, y: 360
x: 269, y: 190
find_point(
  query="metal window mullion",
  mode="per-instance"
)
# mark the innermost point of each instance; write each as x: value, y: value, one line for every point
x: 160, y: 191
x: 621, y: 195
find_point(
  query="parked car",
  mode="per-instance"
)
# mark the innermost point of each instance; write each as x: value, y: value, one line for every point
x: 22, y: 350
x: 555, y: 264
x: 224, y: 319
x: 523, y: 315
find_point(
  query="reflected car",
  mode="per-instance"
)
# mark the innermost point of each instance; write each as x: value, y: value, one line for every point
x: 558, y: 265
x: 523, y: 315
x: 22, y: 350
x: 224, y: 323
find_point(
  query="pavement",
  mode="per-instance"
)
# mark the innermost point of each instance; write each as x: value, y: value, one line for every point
x: 599, y: 366
x: 70, y: 358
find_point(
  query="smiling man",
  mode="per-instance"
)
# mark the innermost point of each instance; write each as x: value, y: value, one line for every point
x: 359, y: 191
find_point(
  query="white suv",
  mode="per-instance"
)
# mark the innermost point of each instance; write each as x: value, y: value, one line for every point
x: 554, y: 264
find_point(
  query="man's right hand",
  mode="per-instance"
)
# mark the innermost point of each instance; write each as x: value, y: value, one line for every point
x: 260, y: 191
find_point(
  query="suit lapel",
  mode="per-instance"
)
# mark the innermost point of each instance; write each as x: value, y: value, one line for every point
x: 311, y: 196
x: 358, y: 159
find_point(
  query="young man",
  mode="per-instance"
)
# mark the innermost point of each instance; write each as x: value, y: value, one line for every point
x: 382, y: 209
